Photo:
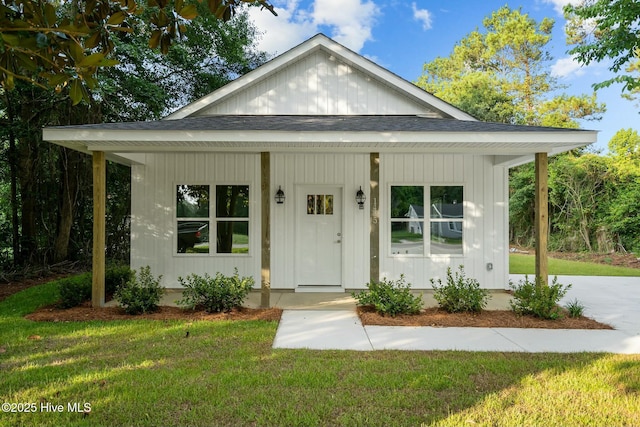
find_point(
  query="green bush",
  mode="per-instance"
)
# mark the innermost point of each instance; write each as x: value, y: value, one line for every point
x: 75, y: 290
x: 537, y: 298
x: 390, y: 297
x: 115, y: 276
x: 459, y: 294
x: 215, y: 294
x: 575, y: 308
x: 141, y: 293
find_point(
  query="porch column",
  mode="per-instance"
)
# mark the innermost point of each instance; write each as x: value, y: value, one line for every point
x: 99, y: 224
x: 374, y: 233
x: 542, y: 216
x: 265, y: 188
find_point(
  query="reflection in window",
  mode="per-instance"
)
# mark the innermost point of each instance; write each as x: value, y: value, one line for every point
x: 233, y: 237
x: 230, y: 222
x: 406, y: 238
x: 440, y: 234
x: 192, y: 201
x: 232, y: 205
x: 319, y: 204
x: 446, y: 220
x: 407, y: 225
x: 232, y: 201
x: 193, y: 237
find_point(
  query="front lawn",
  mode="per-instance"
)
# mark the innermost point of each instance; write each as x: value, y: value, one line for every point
x: 525, y: 264
x: 149, y: 373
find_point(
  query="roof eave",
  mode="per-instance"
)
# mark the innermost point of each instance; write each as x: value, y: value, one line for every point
x: 507, y: 144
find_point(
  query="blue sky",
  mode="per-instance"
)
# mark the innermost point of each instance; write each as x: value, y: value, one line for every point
x: 402, y: 35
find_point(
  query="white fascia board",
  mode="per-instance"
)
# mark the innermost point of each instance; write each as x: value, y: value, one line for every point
x: 177, y: 138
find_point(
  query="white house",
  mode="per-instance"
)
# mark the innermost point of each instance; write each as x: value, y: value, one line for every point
x: 316, y: 124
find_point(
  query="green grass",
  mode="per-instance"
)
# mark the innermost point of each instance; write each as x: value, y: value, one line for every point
x: 525, y: 264
x: 147, y: 373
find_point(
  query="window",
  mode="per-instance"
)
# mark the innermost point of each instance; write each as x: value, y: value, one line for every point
x: 444, y: 222
x: 319, y: 204
x: 228, y: 211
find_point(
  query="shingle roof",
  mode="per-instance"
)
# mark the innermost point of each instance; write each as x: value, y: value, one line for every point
x: 317, y: 124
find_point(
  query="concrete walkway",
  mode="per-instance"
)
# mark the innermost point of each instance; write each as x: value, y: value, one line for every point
x: 329, y: 321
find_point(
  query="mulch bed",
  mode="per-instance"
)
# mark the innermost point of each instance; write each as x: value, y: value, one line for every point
x: 85, y: 312
x: 435, y: 317
x: 485, y: 319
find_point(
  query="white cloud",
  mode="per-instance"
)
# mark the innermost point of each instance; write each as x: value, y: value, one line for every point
x: 422, y: 15
x: 348, y: 22
x: 566, y: 67
x: 558, y: 5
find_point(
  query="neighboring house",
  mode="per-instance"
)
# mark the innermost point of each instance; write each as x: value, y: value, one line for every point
x: 416, y: 212
x: 318, y: 122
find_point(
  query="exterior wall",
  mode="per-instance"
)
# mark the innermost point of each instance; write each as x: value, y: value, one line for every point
x: 153, y: 204
x: 349, y: 171
x: 318, y: 84
x: 485, y: 224
x: 485, y: 220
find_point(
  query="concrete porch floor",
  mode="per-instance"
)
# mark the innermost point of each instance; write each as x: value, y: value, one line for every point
x: 323, y: 300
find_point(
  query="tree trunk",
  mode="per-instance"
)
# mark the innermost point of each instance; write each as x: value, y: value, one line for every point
x: 69, y: 163
x: 13, y: 173
x: 28, y: 159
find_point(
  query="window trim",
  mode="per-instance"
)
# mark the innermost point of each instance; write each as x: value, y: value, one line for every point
x: 213, y: 219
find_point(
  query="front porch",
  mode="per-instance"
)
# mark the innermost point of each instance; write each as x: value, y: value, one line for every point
x: 288, y: 300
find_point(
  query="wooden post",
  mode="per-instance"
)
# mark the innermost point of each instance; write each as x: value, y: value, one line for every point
x: 542, y: 217
x: 374, y: 233
x: 265, y: 188
x: 99, y: 225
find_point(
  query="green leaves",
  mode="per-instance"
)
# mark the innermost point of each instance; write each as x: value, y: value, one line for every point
x: 42, y: 38
x: 605, y: 29
x: 503, y: 74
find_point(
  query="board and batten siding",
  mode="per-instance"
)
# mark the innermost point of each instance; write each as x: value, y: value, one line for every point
x: 318, y: 84
x: 347, y: 171
x: 153, y: 220
x: 485, y: 224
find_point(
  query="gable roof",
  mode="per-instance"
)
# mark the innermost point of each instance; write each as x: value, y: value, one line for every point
x: 431, y: 125
x: 336, y: 54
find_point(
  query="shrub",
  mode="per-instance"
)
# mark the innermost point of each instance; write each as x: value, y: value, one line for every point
x: 537, y: 298
x: 390, y: 297
x: 460, y: 293
x: 116, y: 276
x: 215, y: 294
x: 575, y: 308
x: 73, y: 291
x: 141, y: 293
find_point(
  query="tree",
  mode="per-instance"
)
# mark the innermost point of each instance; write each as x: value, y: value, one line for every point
x: 62, y: 44
x: 148, y: 85
x: 503, y: 74
x: 579, y: 193
x: 606, y: 29
x: 624, y: 209
x: 53, y: 184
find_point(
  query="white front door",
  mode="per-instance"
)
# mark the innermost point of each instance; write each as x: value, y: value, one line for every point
x: 319, y: 236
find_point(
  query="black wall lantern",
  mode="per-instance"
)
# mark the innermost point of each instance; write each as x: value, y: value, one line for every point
x: 360, y: 198
x: 280, y: 196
